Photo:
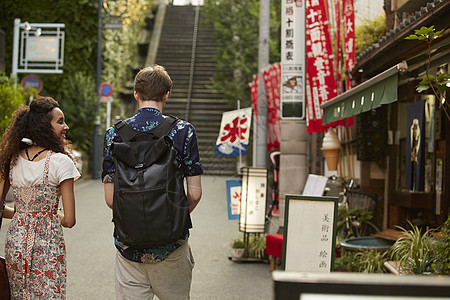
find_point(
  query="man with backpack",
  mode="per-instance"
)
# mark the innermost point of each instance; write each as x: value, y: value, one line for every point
x: 150, y: 208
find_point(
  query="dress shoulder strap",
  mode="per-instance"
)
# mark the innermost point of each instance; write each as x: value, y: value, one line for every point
x: 46, y: 166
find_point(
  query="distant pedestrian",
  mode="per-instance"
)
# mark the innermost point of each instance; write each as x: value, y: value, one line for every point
x: 34, y: 158
x: 166, y: 270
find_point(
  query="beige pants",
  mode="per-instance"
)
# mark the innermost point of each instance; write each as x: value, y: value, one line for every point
x: 169, y: 279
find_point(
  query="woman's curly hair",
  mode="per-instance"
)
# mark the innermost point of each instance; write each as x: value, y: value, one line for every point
x: 32, y: 122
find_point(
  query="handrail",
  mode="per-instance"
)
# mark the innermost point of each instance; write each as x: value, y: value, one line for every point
x: 156, y: 34
x: 191, y: 70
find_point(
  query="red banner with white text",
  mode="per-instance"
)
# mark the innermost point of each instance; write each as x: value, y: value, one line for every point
x: 337, y: 9
x: 272, y: 77
x: 321, y: 84
x: 254, y: 92
x: 349, y: 37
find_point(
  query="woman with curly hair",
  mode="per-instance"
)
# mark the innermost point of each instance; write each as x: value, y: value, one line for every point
x: 36, y: 164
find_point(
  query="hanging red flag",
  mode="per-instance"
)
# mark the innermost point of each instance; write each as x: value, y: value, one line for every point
x: 349, y: 38
x: 272, y: 77
x: 254, y: 92
x: 321, y: 84
x: 337, y: 8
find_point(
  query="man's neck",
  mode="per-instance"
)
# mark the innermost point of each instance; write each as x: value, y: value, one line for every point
x: 151, y: 104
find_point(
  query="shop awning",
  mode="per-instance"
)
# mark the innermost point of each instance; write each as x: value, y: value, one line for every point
x: 379, y: 90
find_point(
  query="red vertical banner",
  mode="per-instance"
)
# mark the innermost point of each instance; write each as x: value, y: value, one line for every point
x: 349, y: 37
x: 254, y: 92
x: 337, y: 8
x: 321, y: 84
x: 272, y: 78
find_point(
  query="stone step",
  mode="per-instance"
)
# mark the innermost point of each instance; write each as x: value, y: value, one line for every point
x: 206, y: 106
x: 197, y: 102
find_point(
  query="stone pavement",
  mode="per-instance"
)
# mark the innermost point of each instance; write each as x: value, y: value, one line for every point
x: 90, y: 249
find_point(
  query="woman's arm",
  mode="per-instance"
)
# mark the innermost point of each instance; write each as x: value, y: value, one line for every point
x: 9, y: 212
x: 67, y: 217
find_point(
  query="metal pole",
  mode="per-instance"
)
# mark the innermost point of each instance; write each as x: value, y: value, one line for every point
x: 15, y: 54
x: 108, y: 114
x: 263, y: 62
x: 96, y: 145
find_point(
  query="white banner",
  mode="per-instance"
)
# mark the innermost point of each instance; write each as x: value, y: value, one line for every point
x: 234, y: 132
x: 293, y: 67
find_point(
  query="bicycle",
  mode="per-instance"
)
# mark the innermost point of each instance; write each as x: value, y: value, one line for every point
x: 356, y: 212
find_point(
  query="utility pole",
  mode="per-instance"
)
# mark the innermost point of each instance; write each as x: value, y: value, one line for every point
x: 260, y: 130
x: 96, y: 145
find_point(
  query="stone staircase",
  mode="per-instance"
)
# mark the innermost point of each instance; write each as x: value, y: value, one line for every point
x: 206, y: 106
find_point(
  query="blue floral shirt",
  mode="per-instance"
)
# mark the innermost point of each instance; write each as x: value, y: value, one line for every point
x: 185, y: 142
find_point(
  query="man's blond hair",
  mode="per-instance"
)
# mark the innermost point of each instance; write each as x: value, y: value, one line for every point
x: 152, y: 83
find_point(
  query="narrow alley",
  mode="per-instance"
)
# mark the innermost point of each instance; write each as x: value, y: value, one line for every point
x: 90, y: 249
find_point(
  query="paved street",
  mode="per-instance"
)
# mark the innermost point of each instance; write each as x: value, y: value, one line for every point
x: 90, y: 250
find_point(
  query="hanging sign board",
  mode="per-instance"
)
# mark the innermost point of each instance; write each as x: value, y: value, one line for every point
x: 309, y: 233
x: 42, y: 48
x: 38, y: 48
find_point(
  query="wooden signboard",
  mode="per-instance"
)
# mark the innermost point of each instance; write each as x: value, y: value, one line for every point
x: 309, y: 233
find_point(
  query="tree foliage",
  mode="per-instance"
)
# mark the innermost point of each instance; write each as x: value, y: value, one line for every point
x: 75, y: 89
x: 80, y: 20
x: 120, y: 46
x: 81, y: 107
x: 370, y: 32
x: 236, y: 24
x: 437, y: 83
x: 11, y: 97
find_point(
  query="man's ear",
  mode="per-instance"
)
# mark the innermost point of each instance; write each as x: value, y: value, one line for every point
x: 136, y: 95
x: 166, y: 96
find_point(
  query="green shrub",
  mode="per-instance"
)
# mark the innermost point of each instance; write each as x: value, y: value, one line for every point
x: 11, y: 97
x: 371, y: 261
x: 257, y: 245
x: 78, y: 102
x: 364, y: 261
x: 238, y: 244
x: 441, y: 250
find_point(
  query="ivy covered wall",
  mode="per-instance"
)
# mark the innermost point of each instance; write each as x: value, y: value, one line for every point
x: 75, y: 89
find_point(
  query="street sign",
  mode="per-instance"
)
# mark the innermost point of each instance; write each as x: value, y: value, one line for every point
x: 106, y: 89
x: 32, y: 81
x: 112, y: 22
x: 106, y: 99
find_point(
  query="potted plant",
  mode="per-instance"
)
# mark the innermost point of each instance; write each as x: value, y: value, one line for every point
x: 238, y: 248
x: 257, y: 246
x: 361, y: 261
x: 414, y: 251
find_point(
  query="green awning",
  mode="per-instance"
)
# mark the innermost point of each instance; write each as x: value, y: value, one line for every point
x: 379, y: 90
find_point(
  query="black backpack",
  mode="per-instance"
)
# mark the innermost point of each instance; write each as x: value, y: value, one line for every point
x: 150, y: 207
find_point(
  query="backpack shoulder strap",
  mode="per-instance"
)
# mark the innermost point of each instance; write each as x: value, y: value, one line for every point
x: 165, y: 126
x: 125, y: 131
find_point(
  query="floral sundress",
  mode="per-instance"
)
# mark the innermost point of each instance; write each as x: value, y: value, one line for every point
x: 35, y: 248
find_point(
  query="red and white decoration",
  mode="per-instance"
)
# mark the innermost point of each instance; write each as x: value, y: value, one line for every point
x: 349, y: 37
